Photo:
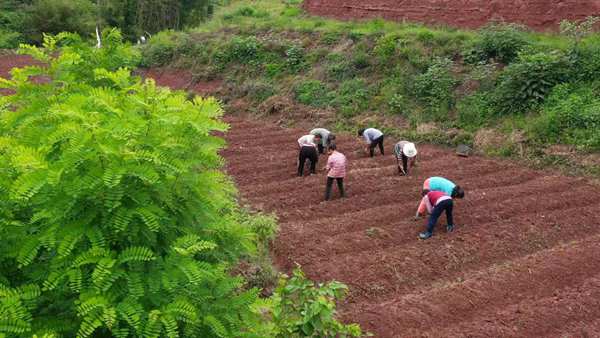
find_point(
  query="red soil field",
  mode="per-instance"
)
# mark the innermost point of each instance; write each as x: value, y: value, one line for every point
x: 537, y: 14
x: 522, y: 261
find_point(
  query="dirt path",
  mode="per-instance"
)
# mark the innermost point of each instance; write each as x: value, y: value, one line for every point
x: 521, y: 262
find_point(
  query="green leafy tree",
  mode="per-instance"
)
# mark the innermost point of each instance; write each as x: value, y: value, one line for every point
x: 116, y: 219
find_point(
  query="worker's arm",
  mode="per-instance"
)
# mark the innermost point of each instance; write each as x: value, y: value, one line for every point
x: 422, y: 206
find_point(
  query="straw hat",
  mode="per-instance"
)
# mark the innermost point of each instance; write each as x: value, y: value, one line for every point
x: 409, y: 150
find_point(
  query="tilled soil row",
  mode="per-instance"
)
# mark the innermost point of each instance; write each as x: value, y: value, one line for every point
x: 521, y: 261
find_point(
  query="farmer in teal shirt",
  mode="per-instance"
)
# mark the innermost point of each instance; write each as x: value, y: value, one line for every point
x: 443, y: 185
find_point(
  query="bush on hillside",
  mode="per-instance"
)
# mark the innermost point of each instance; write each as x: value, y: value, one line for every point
x: 163, y: 48
x: 311, y: 92
x: 116, y: 219
x: 571, y: 115
x: 352, y: 97
x: 435, y: 87
x: 527, y: 82
x: 294, y: 58
x: 586, y: 60
x: 242, y: 50
x: 500, y: 42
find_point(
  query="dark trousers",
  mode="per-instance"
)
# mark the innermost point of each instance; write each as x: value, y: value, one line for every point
x: 404, y: 162
x: 446, y: 205
x: 376, y: 142
x: 340, y: 184
x: 309, y: 153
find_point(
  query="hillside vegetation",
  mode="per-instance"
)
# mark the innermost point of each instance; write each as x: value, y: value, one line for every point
x: 502, y: 88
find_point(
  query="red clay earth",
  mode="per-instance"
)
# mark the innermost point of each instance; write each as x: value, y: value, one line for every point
x: 537, y: 14
x: 522, y: 261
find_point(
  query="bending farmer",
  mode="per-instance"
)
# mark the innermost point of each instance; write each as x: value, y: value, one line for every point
x: 443, y: 185
x: 326, y: 138
x: 436, y: 202
x: 308, y: 150
x: 405, y: 152
x: 374, y: 138
x: 336, y: 170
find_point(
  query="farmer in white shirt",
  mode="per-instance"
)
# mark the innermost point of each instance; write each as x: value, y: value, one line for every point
x: 326, y: 138
x: 374, y: 138
x: 308, y: 150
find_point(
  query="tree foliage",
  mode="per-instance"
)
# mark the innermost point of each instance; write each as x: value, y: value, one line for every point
x: 32, y: 18
x: 116, y: 219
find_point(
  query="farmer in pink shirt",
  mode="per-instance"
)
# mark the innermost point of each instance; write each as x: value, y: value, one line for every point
x: 336, y: 170
x: 436, y: 202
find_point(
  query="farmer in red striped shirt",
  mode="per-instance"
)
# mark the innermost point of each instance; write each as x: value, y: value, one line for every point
x: 436, y: 202
x: 336, y: 170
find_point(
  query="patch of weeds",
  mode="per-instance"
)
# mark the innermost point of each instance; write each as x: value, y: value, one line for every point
x: 294, y: 58
x: 291, y: 12
x: 331, y: 38
x: 339, y: 67
x: 311, y: 92
x: 273, y: 70
x: 352, y: 97
x: 361, y: 60
x: 316, y: 55
x: 257, y: 90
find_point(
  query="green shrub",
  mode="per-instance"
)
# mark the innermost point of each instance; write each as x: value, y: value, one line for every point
x: 435, y: 87
x: 311, y: 92
x: 163, y: 48
x: 55, y: 16
x: 500, y: 42
x: 586, y: 61
x: 294, y: 57
x: 475, y: 111
x: 257, y: 90
x: 360, y: 60
x: 339, y: 67
x: 303, y: 309
x: 526, y: 83
x: 10, y: 39
x: 352, y: 97
x: 241, y: 50
x: 571, y: 115
x: 331, y: 38
x: 273, y: 70
x: 250, y: 11
x: 116, y: 219
x: 386, y: 46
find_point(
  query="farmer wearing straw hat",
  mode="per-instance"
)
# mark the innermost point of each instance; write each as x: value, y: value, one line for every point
x: 405, y: 152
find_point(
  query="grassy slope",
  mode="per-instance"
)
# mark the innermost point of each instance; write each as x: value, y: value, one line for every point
x: 347, y: 78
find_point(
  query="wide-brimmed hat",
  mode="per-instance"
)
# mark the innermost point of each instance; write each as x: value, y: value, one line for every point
x: 409, y: 150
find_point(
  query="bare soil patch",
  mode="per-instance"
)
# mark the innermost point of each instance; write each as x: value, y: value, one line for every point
x: 538, y: 14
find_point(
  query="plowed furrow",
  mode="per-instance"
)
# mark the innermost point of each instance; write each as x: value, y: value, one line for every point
x: 503, y: 294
